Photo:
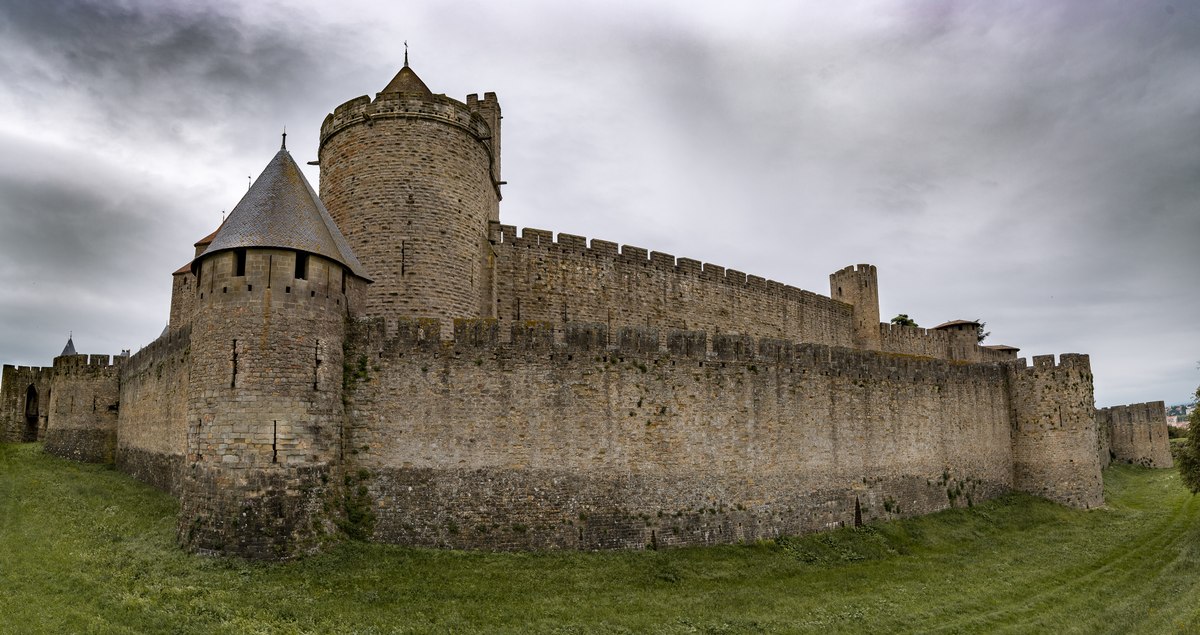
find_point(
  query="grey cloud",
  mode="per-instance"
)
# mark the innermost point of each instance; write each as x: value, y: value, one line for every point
x: 1034, y: 164
x: 158, y: 70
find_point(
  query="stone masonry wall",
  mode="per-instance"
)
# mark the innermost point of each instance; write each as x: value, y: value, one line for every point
x: 21, y: 420
x: 1054, y: 430
x: 1103, y: 440
x: 410, y: 182
x: 912, y: 340
x: 654, y: 441
x: 1137, y: 433
x: 84, y: 404
x: 565, y: 281
x: 183, y: 300
x: 152, y: 426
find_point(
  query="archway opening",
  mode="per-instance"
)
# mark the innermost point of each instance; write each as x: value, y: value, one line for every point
x: 31, y: 414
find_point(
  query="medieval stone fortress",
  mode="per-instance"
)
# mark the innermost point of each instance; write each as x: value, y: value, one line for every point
x: 389, y: 357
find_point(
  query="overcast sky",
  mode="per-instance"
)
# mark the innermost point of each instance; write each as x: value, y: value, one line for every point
x: 1032, y: 164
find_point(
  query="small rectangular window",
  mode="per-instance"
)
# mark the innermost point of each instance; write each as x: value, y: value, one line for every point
x: 239, y: 256
x: 301, y: 266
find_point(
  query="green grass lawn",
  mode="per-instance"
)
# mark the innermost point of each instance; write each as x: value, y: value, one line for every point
x: 86, y: 549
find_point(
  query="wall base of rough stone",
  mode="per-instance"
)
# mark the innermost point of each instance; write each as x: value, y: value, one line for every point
x: 499, y: 509
x: 162, y: 471
x: 263, y: 514
x: 87, y: 445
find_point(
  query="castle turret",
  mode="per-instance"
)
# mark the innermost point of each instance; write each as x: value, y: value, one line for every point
x: 413, y: 179
x: 273, y: 291
x: 963, y: 338
x: 858, y: 286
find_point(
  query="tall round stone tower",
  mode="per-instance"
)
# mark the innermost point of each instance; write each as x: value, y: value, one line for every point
x: 412, y: 179
x: 858, y: 286
x: 274, y: 290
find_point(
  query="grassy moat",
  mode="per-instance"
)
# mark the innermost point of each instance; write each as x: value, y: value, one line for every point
x: 85, y: 549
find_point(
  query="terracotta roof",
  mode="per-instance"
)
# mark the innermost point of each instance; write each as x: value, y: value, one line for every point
x: 956, y: 323
x: 184, y: 269
x: 406, y: 81
x: 209, y: 238
x: 282, y: 210
x: 1002, y: 347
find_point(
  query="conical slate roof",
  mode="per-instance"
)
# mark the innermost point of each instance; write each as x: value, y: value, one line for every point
x: 281, y: 210
x: 69, y: 349
x: 406, y: 81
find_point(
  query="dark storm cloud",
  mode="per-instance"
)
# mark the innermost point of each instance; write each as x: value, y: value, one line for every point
x: 150, y: 68
x: 128, y: 110
x: 75, y: 242
x: 1033, y: 164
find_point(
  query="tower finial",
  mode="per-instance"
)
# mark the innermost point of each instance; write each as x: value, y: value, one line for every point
x: 283, y: 146
x: 406, y: 52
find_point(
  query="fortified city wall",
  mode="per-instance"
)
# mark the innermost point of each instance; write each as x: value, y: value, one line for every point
x: 570, y: 441
x: 565, y: 281
x: 84, y: 403
x: 1054, y: 430
x: 152, y: 436
x: 566, y: 394
x: 1137, y: 434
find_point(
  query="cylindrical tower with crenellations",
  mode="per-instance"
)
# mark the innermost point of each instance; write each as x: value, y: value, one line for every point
x: 412, y: 179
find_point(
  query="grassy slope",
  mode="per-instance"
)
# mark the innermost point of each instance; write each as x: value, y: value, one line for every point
x: 86, y: 549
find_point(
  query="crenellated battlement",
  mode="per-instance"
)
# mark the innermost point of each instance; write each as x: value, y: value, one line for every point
x: 538, y: 342
x: 859, y: 269
x: 531, y: 238
x: 914, y: 340
x: 74, y: 363
x: 1148, y: 412
x: 167, y: 345
x: 25, y: 369
x: 1066, y: 361
x: 447, y: 110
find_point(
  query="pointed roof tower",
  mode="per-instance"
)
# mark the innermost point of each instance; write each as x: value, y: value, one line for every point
x: 69, y: 349
x: 406, y: 81
x: 282, y: 211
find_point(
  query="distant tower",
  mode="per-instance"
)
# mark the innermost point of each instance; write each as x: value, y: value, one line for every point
x: 412, y: 179
x: 859, y: 286
x: 273, y: 292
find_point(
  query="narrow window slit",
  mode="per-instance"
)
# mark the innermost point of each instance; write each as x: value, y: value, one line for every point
x: 316, y: 362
